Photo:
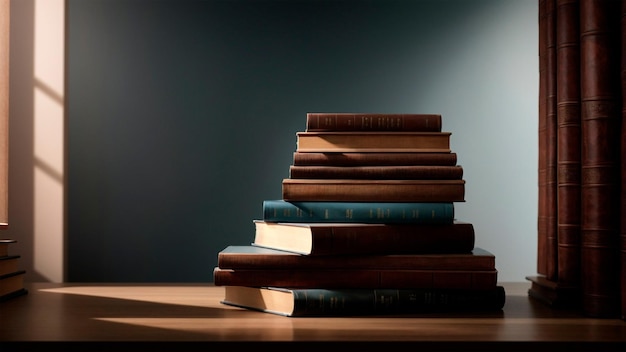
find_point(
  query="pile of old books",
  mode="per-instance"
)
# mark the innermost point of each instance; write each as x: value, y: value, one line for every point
x: 11, y: 274
x: 365, y: 226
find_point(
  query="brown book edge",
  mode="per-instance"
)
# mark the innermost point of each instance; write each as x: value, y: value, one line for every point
x: 554, y: 294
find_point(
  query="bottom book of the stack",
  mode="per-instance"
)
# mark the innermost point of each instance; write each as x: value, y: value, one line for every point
x: 360, y: 302
x: 12, y: 285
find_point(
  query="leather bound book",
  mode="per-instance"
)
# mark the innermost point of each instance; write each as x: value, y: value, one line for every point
x: 373, y: 159
x: 623, y: 166
x: 568, y: 149
x: 542, y: 245
x: 551, y: 142
x: 372, y: 122
x: 600, y: 98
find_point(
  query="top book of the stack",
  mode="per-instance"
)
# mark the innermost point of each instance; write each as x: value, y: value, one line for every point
x: 373, y: 122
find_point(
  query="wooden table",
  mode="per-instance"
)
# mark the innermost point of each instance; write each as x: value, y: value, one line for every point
x: 179, y: 317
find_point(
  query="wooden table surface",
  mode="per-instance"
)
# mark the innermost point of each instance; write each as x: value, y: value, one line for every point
x: 165, y: 316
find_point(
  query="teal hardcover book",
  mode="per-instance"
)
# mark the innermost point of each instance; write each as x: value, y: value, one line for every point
x: 359, y: 212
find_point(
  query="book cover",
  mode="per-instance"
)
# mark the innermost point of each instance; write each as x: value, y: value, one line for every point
x: 373, y: 190
x: 357, y: 278
x: 9, y: 264
x: 434, y: 142
x: 373, y: 159
x: 542, y: 239
x: 600, y: 157
x: 568, y: 146
x: 254, y: 257
x: 349, y: 302
x: 280, y: 210
x: 11, y: 283
x: 4, y: 246
x: 372, y: 122
x: 551, y: 144
x: 351, y: 238
x: 418, y: 172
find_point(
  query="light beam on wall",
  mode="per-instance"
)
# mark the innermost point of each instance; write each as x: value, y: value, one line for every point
x: 48, y: 158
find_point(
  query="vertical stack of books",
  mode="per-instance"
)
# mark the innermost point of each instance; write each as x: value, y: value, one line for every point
x: 11, y: 276
x: 365, y: 226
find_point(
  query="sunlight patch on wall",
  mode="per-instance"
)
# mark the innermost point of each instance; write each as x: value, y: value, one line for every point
x: 49, y: 74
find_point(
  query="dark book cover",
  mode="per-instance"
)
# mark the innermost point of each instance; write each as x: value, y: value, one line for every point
x: 255, y: 257
x: 373, y: 190
x: 551, y: 143
x: 374, y: 159
x: 353, y: 302
x: 418, y: 172
x: 280, y: 210
x: 569, y: 138
x: 348, y: 238
x: 357, y: 278
x: 601, y: 119
x: 542, y: 170
x: 373, y: 122
x: 623, y: 167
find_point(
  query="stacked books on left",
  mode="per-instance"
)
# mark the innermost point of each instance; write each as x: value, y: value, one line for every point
x: 11, y: 276
x: 365, y: 226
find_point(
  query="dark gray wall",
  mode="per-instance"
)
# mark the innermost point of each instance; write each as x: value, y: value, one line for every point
x: 182, y: 113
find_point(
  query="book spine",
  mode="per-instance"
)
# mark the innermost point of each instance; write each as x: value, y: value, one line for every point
x: 373, y: 159
x: 358, y: 212
x: 600, y: 157
x: 299, y: 190
x: 568, y: 117
x: 324, y: 302
x: 623, y: 164
x: 356, y: 278
x: 551, y: 143
x: 373, y: 122
x: 377, y: 172
x: 347, y: 142
x: 401, y: 239
x: 542, y: 242
x: 447, y: 261
x: 389, y: 239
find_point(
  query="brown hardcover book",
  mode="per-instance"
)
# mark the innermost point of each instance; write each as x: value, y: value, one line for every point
x: 350, y: 238
x: 4, y: 246
x: 554, y: 294
x: 542, y: 239
x: 353, y: 141
x: 9, y: 264
x: 373, y: 159
x: 623, y: 167
x: 568, y: 153
x: 551, y: 143
x: 373, y: 122
x: 357, y: 278
x: 12, y: 284
x: 421, y: 172
x: 254, y: 257
x: 600, y: 97
x: 373, y: 190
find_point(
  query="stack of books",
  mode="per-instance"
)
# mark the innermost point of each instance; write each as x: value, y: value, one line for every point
x: 11, y: 276
x: 365, y: 226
